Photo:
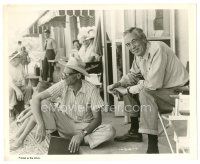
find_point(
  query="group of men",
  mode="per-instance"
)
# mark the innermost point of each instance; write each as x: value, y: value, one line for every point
x: 155, y: 74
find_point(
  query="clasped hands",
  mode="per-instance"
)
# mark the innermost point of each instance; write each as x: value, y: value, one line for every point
x: 116, y: 90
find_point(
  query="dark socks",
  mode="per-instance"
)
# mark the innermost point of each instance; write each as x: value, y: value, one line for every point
x: 152, y: 144
x: 134, y: 124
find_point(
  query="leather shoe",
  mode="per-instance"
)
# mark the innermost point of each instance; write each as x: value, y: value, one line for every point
x: 129, y: 137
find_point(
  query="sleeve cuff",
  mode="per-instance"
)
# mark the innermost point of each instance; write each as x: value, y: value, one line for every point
x: 137, y: 88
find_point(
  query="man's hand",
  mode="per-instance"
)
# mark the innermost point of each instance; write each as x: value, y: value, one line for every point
x: 111, y: 88
x: 75, y: 143
x: 19, y: 94
x: 121, y: 91
x: 40, y: 133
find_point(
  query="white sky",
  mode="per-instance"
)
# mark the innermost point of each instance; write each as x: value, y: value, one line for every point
x: 17, y: 21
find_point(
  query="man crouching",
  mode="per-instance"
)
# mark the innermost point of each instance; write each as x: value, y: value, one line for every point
x: 79, y: 115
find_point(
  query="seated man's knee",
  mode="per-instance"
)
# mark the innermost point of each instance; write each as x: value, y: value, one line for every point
x: 145, y: 93
x: 127, y: 97
x: 110, y: 131
x: 46, y: 105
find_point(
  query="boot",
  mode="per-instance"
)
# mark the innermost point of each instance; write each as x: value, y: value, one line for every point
x: 152, y: 144
x: 132, y: 135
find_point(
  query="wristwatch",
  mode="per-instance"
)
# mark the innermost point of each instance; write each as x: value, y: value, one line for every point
x: 84, y: 132
x: 128, y: 90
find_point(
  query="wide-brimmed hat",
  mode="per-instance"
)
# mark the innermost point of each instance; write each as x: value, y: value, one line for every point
x: 14, y: 55
x: 76, y: 64
x: 91, y: 34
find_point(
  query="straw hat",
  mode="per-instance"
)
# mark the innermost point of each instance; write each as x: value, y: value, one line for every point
x: 75, y: 64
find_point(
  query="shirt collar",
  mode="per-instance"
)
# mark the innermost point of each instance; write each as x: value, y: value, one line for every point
x: 82, y: 89
x: 147, y: 52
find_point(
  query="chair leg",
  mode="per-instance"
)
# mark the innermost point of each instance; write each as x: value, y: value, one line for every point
x: 161, y: 132
x: 163, y: 126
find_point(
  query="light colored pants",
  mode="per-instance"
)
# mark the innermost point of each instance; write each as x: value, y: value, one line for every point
x: 150, y: 103
x: 56, y: 120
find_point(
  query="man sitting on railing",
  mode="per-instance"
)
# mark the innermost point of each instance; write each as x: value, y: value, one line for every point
x: 156, y: 74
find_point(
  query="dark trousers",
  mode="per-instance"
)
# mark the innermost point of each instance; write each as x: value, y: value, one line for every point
x: 47, y: 68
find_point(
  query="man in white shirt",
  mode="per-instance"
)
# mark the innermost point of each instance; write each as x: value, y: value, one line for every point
x: 51, y: 51
x: 155, y: 74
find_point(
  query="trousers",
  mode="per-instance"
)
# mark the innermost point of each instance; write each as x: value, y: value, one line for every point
x: 56, y: 120
x: 47, y: 68
x: 147, y: 104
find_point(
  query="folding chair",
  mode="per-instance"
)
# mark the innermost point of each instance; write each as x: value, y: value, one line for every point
x: 165, y: 130
x: 175, y: 115
x: 181, y: 113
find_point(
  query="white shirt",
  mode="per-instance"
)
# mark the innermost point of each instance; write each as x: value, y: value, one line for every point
x: 87, y: 53
x: 160, y: 68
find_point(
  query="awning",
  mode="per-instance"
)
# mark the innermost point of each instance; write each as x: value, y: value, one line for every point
x: 48, y: 16
x: 87, y: 18
x: 33, y: 30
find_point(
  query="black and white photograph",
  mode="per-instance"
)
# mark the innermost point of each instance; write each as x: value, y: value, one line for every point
x: 100, y: 79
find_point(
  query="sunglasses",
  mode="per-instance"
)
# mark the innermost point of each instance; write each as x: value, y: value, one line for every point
x: 134, y: 42
x: 65, y: 75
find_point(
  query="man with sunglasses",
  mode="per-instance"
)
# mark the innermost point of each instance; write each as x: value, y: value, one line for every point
x: 78, y: 116
x: 155, y: 74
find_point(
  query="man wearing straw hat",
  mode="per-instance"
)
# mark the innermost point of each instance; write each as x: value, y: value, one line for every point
x: 18, y: 92
x: 51, y: 51
x: 78, y: 116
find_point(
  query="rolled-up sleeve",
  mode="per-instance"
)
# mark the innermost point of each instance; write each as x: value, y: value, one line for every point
x: 132, y: 77
x: 56, y: 90
x: 137, y: 88
x: 155, y: 73
x: 96, y: 100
